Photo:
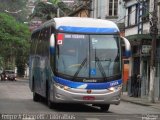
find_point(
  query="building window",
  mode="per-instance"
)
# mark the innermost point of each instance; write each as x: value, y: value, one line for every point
x: 129, y: 16
x: 146, y: 5
x: 145, y: 13
x: 136, y: 14
x: 113, y: 7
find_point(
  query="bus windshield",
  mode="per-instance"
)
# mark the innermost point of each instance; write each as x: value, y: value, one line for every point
x: 88, y: 56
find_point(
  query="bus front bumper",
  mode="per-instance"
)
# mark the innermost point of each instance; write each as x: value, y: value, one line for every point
x: 72, y: 95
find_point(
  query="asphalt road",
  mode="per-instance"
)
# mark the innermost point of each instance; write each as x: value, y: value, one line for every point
x: 16, y: 104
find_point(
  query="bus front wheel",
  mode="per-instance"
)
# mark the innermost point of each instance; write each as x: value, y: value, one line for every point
x: 104, y: 108
x: 49, y: 102
x: 35, y: 97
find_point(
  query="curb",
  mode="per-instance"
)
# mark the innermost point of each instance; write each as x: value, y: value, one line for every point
x: 138, y: 103
x: 21, y: 78
x: 142, y: 104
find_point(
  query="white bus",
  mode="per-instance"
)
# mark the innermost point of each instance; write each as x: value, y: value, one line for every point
x: 77, y: 60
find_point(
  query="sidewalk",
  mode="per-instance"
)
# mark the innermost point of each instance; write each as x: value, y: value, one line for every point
x: 22, y: 78
x: 140, y: 101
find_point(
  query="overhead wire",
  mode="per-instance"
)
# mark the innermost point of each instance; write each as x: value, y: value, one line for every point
x: 126, y: 15
x: 132, y: 12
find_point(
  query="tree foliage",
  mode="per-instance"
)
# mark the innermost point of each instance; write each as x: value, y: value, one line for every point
x: 46, y: 11
x: 64, y: 8
x: 14, y: 43
x: 54, y: 2
x: 11, y: 6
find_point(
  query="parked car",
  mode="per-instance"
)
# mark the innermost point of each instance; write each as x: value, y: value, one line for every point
x: 8, y: 75
x: 1, y: 70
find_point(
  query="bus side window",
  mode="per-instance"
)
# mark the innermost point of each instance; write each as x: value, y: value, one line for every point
x: 35, y: 42
x: 39, y: 45
x: 45, y: 43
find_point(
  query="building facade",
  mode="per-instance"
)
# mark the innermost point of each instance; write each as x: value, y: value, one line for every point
x: 137, y: 30
x: 158, y: 51
x: 81, y: 8
x: 108, y: 9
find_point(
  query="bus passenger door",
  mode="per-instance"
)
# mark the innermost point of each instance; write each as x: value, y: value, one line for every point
x: 37, y: 76
x: 42, y: 75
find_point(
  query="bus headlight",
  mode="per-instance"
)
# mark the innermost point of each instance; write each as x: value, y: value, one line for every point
x: 66, y: 88
x: 111, y: 89
x: 115, y: 88
x: 61, y: 86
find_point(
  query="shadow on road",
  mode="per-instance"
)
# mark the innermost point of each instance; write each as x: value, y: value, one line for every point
x: 73, y: 107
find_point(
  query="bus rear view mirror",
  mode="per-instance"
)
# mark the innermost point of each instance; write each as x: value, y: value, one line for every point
x: 127, y: 51
x: 52, y: 43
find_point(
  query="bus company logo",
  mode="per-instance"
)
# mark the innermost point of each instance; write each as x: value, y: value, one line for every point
x: 59, y: 42
x: 89, y: 91
x: 114, y: 83
x: 89, y: 80
x: 60, y: 38
x: 150, y: 117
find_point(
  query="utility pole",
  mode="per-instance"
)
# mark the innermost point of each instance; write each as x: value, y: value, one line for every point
x: 58, y: 12
x: 153, y: 32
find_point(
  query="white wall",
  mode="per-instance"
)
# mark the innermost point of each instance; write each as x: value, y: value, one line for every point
x: 131, y: 31
x: 134, y: 30
x: 121, y: 12
x: 101, y: 10
x: 130, y: 2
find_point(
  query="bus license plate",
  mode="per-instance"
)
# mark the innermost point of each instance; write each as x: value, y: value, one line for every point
x: 88, y: 98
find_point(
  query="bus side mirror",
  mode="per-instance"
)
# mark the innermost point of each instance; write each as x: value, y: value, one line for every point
x: 52, y: 43
x: 127, y: 52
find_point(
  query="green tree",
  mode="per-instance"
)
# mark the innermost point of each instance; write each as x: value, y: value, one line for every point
x: 55, y: 2
x: 44, y: 11
x: 12, y: 6
x: 47, y: 11
x: 64, y: 8
x: 14, y: 38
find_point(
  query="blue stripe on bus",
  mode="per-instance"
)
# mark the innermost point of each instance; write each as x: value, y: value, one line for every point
x: 88, y: 30
x: 84, y: 85
x: 127, y: 53
x: 52, y: 50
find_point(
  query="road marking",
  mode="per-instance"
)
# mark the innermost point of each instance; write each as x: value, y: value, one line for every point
x: 92, y: 119
x: 101, y: 115
x: 28, y: 118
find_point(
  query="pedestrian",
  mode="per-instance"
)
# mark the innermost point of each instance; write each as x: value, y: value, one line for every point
x: 139, y: 84
x: 133, y: 85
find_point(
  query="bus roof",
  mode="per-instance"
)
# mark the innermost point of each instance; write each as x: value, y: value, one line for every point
x: 82, y: 25
x: 85, y: 25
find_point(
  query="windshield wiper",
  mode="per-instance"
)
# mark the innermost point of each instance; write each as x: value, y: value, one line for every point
x: 79, y: 69
x: 100, y: 67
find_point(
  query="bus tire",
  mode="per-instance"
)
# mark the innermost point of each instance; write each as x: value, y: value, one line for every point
x: 35, y: 95
x: 49, y: 103
x: 104, y: 108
